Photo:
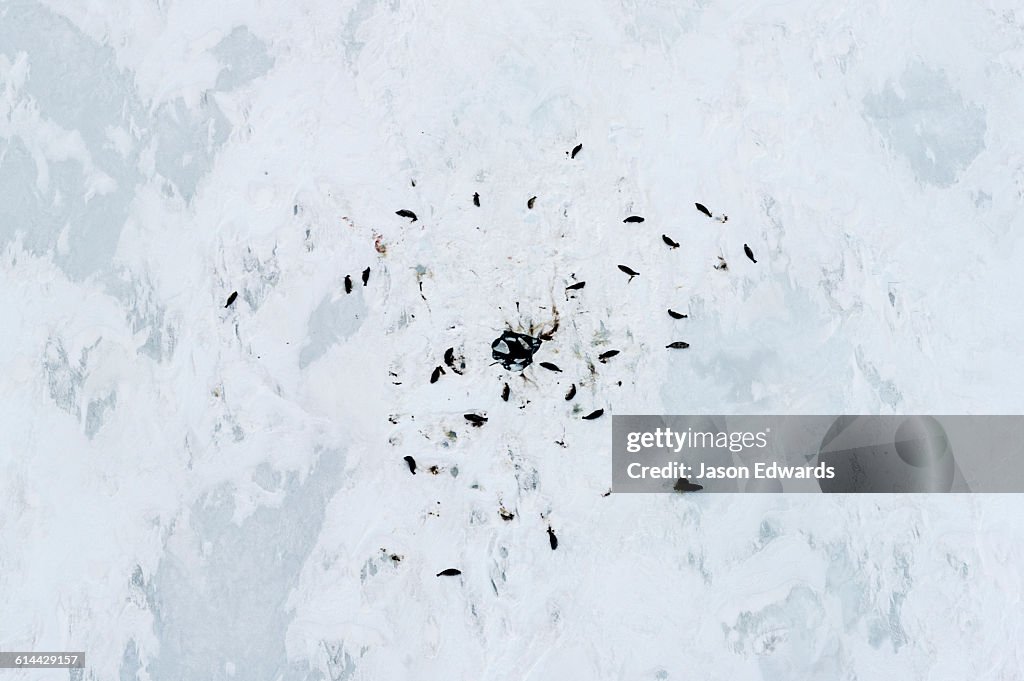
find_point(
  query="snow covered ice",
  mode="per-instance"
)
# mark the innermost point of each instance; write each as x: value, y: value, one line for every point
x: 190, y: 491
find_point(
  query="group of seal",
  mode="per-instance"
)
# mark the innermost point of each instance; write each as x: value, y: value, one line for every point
x: 348, y: 280
x: 515, y: 351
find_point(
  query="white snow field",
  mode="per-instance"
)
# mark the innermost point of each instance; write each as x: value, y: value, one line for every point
x: 194, y: 492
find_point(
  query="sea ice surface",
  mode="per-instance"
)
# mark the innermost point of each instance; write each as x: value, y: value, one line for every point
x: 192, y: 491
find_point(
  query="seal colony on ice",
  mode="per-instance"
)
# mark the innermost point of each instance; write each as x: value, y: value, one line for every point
x: 516, y: 350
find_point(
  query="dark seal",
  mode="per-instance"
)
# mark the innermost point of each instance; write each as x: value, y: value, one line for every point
x: 450, y: 572
x: 684, y: 485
